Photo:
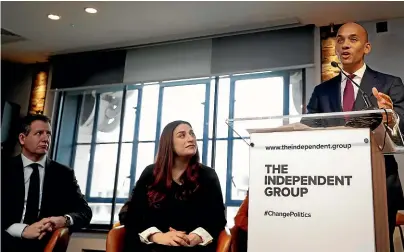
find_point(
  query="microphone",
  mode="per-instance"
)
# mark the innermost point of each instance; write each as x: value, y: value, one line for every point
x: 365, y: 96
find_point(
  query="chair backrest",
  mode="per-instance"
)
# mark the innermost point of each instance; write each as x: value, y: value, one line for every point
x: 58, y: 241
x: 399, y: 219
x: 234, y: 237
x: 238, y: 240
x: 224, y: 241
x: 115, y: 239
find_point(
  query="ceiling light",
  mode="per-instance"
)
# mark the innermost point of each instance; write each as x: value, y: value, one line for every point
x: 90, y: 10
x: 53, y: 17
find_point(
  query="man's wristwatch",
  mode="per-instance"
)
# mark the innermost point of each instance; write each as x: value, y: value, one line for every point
x: 68, y: 221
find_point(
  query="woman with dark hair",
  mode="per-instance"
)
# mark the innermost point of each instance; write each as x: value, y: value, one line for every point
x: 177, y: 202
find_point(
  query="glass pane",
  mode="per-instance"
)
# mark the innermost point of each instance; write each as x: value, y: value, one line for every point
x: 295, y: 95
x: 130, y: 115
x: 101, y: 213
x: 211, y: 106
x: 209, y: 154
x: 117, y: 209
x: 178, y: 105
x: 109, y: 116
x: 240, y: 170
x: 145, y: 157
x: 220, y: 163
x: 258, y: 97
x: 80, y: 165
x: 200, y: 148
x: 222, y: 107
x: 148, y: 116
x: 102, y: 180
x: 86, y: 121
x: 125, y: 163
x: 231, y: 212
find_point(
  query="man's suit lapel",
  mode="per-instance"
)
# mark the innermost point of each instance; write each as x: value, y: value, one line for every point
x: 368, y: 81
x: 18, y: 171
x: 335, y: 100
x: 46, y: 189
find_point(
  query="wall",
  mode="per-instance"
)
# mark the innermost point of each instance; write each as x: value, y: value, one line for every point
x: 387, y: 53
x: 16, y: 82
x: 16, y: 86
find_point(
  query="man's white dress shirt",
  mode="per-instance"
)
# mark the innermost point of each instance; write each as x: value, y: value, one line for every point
x: 358, y: 78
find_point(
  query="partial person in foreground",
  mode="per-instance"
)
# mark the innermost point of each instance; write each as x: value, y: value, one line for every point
x: 38, y: 195
x: 386, y: 91
x: 177, y: 202
x: 241, y: 226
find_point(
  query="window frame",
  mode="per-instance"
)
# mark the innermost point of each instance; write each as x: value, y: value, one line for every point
x: 135, y: 142
x: 229, y: 202
x: 209, y: 82
x: 205, y: 137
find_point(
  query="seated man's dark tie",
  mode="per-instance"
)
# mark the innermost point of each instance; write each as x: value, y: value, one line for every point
x: 31, y: 213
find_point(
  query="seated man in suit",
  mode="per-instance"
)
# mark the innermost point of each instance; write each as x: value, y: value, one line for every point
x: 39, y: 195
x: 386, y: 91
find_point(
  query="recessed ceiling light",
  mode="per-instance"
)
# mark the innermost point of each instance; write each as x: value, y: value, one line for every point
x: 90, y: 10
x: 53, y: 17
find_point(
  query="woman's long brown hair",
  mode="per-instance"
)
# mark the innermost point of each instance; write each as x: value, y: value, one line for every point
x: 164, y: 165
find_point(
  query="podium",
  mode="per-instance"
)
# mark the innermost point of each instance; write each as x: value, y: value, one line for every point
x: 317, y: 182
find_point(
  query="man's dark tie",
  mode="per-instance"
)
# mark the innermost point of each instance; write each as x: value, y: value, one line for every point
x: 31, y: 213
x: 349, y: 95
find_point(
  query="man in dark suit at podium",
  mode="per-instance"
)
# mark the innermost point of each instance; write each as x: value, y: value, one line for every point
x: 38, y: 195
x: 386, y: 91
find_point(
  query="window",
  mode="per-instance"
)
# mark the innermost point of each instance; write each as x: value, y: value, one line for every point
x: 191, y: 107
x: 231, y: 212
x: 147, y: 127
x: 296, y: 88
x: 110, y: 135
x: 96, y: 136
x: 256, y: 95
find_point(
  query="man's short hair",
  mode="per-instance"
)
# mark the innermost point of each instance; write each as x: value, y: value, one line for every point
x: 27, y: 121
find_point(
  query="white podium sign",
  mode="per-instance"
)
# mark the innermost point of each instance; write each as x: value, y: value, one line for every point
x: 311, y: 191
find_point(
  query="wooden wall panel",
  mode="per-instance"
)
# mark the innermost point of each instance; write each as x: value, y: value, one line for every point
x: 328, y: 52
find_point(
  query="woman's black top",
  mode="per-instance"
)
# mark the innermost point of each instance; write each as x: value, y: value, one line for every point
x: 203, y: 208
